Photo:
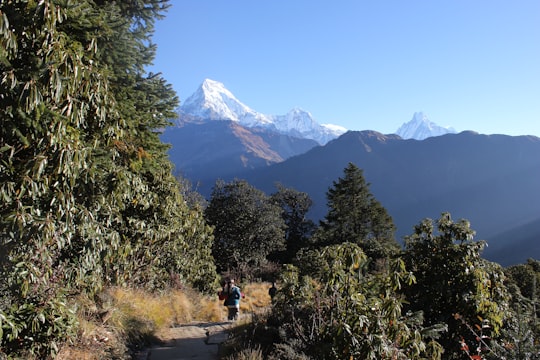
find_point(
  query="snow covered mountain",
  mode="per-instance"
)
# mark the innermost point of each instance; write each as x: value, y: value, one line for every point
x: 420, y: 128
x: 212, y: 101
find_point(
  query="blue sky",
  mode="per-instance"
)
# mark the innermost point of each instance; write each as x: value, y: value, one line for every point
x: 364, y: 65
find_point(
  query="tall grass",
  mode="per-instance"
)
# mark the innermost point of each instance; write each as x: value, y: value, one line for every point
x: 256, y: 298
x: 137, y: 317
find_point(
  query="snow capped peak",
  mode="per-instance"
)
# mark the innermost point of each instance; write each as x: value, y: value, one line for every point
x: 336, y: 129
x: 420, y: 128
x: 212, y: 101
x: 420, y: 117
x: 215, y: 89
x: 298, y: 110
x: 213, y: 84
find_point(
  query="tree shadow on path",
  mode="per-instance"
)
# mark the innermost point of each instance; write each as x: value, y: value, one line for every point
x: 191, y: 341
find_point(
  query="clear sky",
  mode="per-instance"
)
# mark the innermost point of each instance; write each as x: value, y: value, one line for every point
x: 364, y: 65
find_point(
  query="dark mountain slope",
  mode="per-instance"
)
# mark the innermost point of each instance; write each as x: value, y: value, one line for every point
x: 204, y: 152
x: 516, y: 245
x: 493, y: 181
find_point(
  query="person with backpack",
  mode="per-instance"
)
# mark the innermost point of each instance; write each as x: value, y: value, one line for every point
x: 272, y: 291
x: 232, y: 295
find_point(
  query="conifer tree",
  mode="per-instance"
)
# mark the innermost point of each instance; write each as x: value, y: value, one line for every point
x: 355, y: 216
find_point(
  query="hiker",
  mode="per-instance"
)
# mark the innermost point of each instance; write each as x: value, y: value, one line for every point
x: 232, y: 295
x: 272, y: 291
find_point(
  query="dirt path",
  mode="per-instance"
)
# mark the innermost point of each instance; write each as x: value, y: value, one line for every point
x: 189, y: 341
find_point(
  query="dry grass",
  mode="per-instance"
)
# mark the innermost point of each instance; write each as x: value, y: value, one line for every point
x: 134, y: 315
x: 247, y: 354
x: 257, y: 296
x: 68, y: 353
x: 130, y: 304
x: 211, y: 309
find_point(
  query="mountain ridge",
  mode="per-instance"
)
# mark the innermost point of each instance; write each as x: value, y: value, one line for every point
x: 204, y: 152
x: 213, y: 101
x: 490, y: 180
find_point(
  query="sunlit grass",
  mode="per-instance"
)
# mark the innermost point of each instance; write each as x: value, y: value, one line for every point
x: 257, y: 297
x: 211, y: 309
x: 137, y: 316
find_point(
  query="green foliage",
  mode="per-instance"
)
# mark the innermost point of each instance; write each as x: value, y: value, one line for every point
x: 454, y: 285
x: 87, y: 193
x: 49, y: 94
x: 347, y: 312
x: 247, y: 225
x: 35, y: 329
x: 295, y: 206
x: 526, y: 277
x: 520, y: 338
x: 354, y: 215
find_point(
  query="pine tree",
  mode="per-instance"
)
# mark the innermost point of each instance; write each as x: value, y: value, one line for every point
x: 355, y: 216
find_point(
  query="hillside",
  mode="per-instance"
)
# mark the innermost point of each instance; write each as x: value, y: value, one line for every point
x: 206, y: 151
x: 491, y: 180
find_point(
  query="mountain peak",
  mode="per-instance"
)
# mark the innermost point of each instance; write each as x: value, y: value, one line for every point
x: 212, y: 101
x: 420, y: 128
x: 420, y: 117
x: 213, y: 86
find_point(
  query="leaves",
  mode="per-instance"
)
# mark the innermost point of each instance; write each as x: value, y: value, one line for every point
x: 77, y: 211
x: 355, y: 216
x: 247, y: 225
x: 346, y: 312
x: 451, y: 276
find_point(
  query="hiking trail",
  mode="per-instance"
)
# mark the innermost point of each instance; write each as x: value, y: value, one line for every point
x: 197, y: 340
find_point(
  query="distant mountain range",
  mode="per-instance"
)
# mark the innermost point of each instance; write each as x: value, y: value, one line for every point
x: 421, y: 171
x: 492, y: 181
x: 212, y: 101
x: 216, y: 134
x: 204, y: 152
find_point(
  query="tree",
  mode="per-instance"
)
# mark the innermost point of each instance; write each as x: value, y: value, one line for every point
x: 51, y: 93
x: 189, y: 192
x: 345, y: 311
x: 295, y: 206
x: 88, y: 198
x: 247, y: 225
x: 526, y: 277
x: 354, y: 215
x: 521, y: 333
x: 454, y: 285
